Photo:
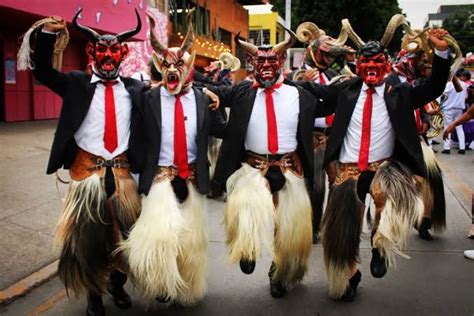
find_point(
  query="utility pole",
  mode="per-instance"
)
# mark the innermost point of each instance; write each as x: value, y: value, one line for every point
x: 288, y: 26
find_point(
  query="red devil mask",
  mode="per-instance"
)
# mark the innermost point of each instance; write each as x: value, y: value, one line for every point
x: 373, y: 63
x: 106, y: 51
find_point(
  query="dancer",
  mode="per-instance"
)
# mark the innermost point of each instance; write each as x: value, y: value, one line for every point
x: 378, y: 151
x: 93, y: 140
x: 413, y: 65
x: 167, y: 247
x: 321, y: 52
x: 267, y: 160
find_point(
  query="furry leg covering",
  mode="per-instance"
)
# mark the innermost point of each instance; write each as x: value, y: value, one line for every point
x: 293, y: 231
x: 341, y: 229
x: 213, y: 152
x: 84, y: 235
x: 249, y: 214
x: 433, y: 190
x: 192, y: 259
x: 154, y: 244
x: 402, y: 210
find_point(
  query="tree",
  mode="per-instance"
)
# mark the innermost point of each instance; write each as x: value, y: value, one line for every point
x: 461, y: 26
x: 368, y: 17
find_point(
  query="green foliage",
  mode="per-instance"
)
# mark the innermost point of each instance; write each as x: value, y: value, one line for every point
x: 461, y: 26
x: 368, y: 17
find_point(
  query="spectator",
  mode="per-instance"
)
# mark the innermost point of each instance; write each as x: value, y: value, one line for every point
x: 453, y: 103
x: 464, y: 118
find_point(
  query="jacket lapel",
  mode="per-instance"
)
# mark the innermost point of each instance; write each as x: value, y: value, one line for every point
x: 200, y: 108
x: 155, y: 104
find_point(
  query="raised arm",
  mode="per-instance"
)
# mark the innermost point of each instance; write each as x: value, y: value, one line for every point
x: 434, y: 86
x: 224, y: 93
x: 42, y: 57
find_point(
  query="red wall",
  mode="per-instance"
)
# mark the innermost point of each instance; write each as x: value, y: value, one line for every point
x: 114, y: 15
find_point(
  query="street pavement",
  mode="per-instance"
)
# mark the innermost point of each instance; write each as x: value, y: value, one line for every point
x: 437, y: 280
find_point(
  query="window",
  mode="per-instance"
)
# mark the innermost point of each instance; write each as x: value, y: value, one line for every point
x: 259, y: 37
x: 201, y: 17
x: 224, y: 37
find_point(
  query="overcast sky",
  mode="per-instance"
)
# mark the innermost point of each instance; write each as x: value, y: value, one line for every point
x: 417, y: 10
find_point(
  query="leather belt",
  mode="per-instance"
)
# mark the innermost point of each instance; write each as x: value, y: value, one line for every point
x: 346, y: 170
x: 170, y: 172
x: 85, y: 164
x: 290, y: 161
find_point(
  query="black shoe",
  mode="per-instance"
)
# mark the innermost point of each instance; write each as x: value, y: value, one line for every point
x: 435, y: 142
x: 351, y: 290
x: 378, y: 266
x: 446, y: 151
x: 277, y: 289
x: 163, y: 299
x: 247, y: 266
x: 215, y: 191
x: 461, y: 152
x: 121, y: 299
x: 423, y: 231
x: 95, y: 307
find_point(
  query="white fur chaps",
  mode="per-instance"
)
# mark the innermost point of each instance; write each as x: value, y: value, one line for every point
x: 167, y: 246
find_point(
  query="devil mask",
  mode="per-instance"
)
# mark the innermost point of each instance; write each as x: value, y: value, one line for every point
x: 106, y: 51
x: 412, y: 65
x: 174, y: 63
x: 373, y: 63
x: 266, y: 60
x: 322, y: 49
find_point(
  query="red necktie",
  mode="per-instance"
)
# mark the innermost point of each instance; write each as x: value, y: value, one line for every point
x: 419, y: 123
x: 365, y: 137
x: 322, y: 81
x: 271, y: 120
x: 180, y: 146
x: 110, y: 128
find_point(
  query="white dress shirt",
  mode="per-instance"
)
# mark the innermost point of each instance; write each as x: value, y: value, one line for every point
x: 90, y: 135
x: 454, y: 100
x: 382, y: 135
x: 287, y: 107
x: 320, y: 121
x: 167, y: 126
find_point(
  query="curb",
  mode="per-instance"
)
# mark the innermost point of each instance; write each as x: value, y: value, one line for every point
x: 27, y: 284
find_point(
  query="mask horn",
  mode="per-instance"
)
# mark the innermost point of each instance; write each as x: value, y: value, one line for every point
x: 283, y: 46
x: 189, y: 39
x: 248, y: 48
x: 348, y: 32
x: 90, y: 33
x: 396, y: 21
x: 127, y: 34
x: 155, y: 43
x: 308, y: 32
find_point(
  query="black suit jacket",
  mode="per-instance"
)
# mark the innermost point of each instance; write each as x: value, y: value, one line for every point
x: 76, y: 91
x: 208, y: 122
x: 400, y: 100
x: 241, y: 98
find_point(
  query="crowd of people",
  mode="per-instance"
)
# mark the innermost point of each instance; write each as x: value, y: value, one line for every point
x: 362, y: 128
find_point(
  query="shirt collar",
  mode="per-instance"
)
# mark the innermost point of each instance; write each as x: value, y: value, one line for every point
x: 164, y: 92
x: 378, y: 89
x: 95, y: 79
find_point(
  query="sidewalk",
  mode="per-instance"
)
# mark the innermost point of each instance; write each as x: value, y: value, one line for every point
x: 436, y: 281
x: 30, y: 205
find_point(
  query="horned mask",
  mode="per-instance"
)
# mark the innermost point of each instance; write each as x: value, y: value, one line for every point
x: 106, y: 51
x: 174, y: 63
x: 322, y: 49
x: 267, y: 60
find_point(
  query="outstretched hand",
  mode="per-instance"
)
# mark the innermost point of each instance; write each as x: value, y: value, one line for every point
x: 214, y: 98
x: 448, y: 131
x: 436, y: 37
x: 58, y: 25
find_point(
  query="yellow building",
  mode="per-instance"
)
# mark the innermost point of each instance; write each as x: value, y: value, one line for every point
x: 265, y: 26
